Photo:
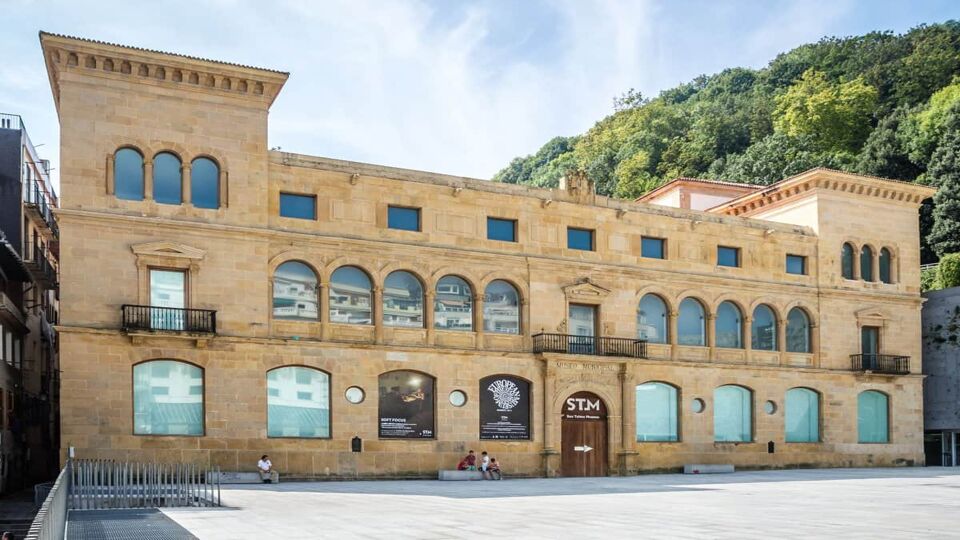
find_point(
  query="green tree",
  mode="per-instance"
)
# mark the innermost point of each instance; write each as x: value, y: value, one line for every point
x: 885, y: 154
x: 926, y: 125
x: 775, y: 158
x: 944, y: 172
x: 522, y: 169
x: 836, y: 115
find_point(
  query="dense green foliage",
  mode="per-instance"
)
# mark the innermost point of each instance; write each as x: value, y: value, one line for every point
x: 879, y: 104
x: 948, y: 271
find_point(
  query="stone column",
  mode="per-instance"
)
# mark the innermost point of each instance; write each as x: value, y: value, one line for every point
x: 627, y: 420
x: 673, y: 334
x: 746, y: 333
x: 186, y: 192
x: 478, y: 319
x: 525, y: 323
x: 782, y: 338
x: 550, y: 417
x: 856, y: 263
x: 428, y: 316
x: 222, y: 192
x: 376, y: 311
x: 875, y: 265
x: 110, y: 179
x: 323, y: 305
x: 711, y: 335
x: 815, y: 344
x: 148, y: 179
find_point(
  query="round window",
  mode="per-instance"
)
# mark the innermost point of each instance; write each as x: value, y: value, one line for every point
x: 770, y: 407
x: 458, y: 398
x: 697, y: 405
x: 354, y: 394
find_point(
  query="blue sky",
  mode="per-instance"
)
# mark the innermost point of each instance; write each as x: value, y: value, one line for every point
x: 445, y: 86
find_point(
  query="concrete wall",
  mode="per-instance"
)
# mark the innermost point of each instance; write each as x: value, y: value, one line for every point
x: 941, y: 360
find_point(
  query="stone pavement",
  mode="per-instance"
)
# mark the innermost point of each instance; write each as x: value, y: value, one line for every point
x: 838, y: 503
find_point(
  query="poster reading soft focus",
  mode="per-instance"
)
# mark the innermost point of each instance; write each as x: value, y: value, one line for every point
x: 504, y: 408
x: 406, y: 405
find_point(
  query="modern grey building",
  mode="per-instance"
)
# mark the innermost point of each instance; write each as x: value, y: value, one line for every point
x: 941, y: 388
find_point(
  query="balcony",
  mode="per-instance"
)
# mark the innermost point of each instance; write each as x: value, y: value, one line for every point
x: 38, y: 264
x: 38, y: 206
x: 589, y: 345
x: 165, y: 319
x: 881, y: 363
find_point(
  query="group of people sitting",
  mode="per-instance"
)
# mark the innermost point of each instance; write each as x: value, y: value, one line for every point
x: 488, y: 465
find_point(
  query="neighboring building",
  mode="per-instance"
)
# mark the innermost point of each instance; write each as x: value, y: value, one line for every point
x: 222, y: 301
x: 696, y: 193
x: 941, y: 387
x: 29, y: 378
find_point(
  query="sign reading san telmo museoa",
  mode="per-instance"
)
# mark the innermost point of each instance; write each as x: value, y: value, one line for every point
x: 406, y: 405
x: 504, y: 408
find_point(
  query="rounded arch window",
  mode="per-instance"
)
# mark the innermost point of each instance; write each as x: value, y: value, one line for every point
x: 298, y: 402
x: 128, y: 174
x: 732, y: 414
x: 873, y: 417
x: 691, y: 323
x: 656, y: 412
x: 167, y: 398
x: 167, y: 180
x: 407, y: 403
x: 729, y: 326
x: 453, y: 304
x: 501, y: 308
x: 763, y: 329
x: 886, y: 260
x: 846, y: 261
x: 204, y: 183
x: 801, y: 421
x: 350, y: 293
x: 402, y: 300
x: 866, y: 263
x: 295, y: 292
x: 652, y: 319
x: 798, y: 331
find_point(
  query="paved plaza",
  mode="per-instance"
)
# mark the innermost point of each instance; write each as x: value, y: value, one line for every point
x: 837, y: 503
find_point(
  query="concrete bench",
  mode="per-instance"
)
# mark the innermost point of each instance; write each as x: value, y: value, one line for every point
x: 244, y: 477
x: 707, y: 469
x: 461, y: 475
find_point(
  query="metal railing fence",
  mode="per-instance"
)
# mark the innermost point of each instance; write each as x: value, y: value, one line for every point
x: 880, y: 363
x: 50, y: 522
x: 102, y: 484
x: 151, y: 318
x: 589, y: 345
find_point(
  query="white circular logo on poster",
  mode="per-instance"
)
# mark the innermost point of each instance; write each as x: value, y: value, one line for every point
x: 505, y: 394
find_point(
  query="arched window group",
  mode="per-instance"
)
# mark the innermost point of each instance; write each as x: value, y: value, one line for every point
x: 129, y: 173
x: 729, y: 326
x: 867, y: 264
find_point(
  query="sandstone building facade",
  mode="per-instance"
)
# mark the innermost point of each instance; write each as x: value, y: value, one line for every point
x: 222, y: 301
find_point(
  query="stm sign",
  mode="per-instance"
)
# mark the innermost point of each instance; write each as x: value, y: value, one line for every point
x: 584, y: 406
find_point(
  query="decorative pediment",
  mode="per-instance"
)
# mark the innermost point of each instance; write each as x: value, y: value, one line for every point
x: 584, y: 289
x: 871, y: 316
x: 168, y: 249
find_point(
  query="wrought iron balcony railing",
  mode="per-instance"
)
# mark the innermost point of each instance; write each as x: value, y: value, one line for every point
x: 37, y: 261
x: 881, y: 363
x: 37, y: 200
x: 165, y: 319
x: 589, y: 345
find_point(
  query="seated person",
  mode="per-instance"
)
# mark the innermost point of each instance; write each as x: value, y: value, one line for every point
x: 469, y: 462
x: 265, y: 468
x: 494, y: 469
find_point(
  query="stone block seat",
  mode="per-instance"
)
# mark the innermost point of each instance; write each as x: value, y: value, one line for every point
x: 707, y: 469
x: 244, y: 477
x: 460, y: 475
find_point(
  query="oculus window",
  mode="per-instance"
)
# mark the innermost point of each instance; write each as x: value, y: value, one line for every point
x: 402, y: 300
x: 872, y: 417
x: 350, y: 293
x: 403, y: 218
x: 728, y: 256
x: 796, y: 264
x: 732, y: 414
x: 204, y: 183
x: 652, y: 319
x: 802, y: 417
x: 653, y: 248
x: 167, y: 398
x: 298, y: 206
x: 453, y: 304
x: 298, y: 402
x: 504, y: 230
x: 656, y: 412
x: 295, y: 292
x: 167, y: 181
x: 501, y: 308
x: 581, y: 239
x: 128, y: 174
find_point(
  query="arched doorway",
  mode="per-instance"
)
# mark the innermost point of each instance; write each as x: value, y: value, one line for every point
x: 583, y: 435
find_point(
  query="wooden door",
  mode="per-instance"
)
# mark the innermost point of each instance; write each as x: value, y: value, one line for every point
x: 583, y: 436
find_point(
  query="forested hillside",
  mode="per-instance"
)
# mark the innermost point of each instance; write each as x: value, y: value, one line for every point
x: 879, y: 104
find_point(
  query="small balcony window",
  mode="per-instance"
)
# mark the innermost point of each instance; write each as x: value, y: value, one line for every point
x: 298, y: 206
x: 402, y: 218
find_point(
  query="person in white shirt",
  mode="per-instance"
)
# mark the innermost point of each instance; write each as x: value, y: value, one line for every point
x: 265, y: 468
x: 485, y: 464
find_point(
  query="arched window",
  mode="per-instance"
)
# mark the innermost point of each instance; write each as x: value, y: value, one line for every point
x: 846, y: 261
x: 729, y: 326
x: 501, y: 308
x: 402, y: 300
x: 691, y: 325
x: 407, y: 403
x: 802, y: 416
x: 732, y: 414
x: 295, y: 292
x: 298, y: 402
x: 763, y: 329
x: 167, y: 182
x: 652, y: 319
x: 798, y: 331
x: 885, y: 261
x: 656, y: 412
x: 866, y: 263
x: 453, y: 304
x: 872, y: 417
x: 350, y: 296
x: 204, y: 183
x: 128, y: 174
x: 167, y: 398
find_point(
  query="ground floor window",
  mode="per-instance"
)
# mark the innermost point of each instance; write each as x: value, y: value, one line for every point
x: 298, y: 402
x: 802, y: 416
x: 732, y: 414
x: 656, y: 412
x: 872, y: 417
x: 406, y: 408
x: 167, y: 398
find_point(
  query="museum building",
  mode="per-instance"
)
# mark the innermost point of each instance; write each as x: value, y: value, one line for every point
x: 221, y: 300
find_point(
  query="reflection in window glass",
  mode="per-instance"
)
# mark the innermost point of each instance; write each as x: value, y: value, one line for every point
x: 802, y: 417
x: 167, y: 183
x: 501, y: 308
x: 729, y: 326
x: 128, y: 174
x: 295, y: 292
x: 656, y: 412
x: 846, y: 261
x: 402, y: 300
x: 164, y: 402
x: 298, y: 206
x: 168, y: 289
x: 350, y: 296
x: 866, y: 263
x: 405, y: 219
x: 798, y: 331
x: 580, y: 239
x: 298, y: 402
x: 732, y: 414
x: 453, y: 304
x: 763, y: 329
x: 872, y: 426
x: 652, y: 319
x: 690, y: 323
x: 204, y: 183
x: 885, y: 265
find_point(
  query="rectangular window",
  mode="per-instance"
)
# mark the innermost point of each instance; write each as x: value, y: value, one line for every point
x: 653, y: 248
x: 580, y: 238
x: 298, y: 206
x: 797, y: 264
x: 403, y: 218
x: 728, y: 256
x: 504, y: 230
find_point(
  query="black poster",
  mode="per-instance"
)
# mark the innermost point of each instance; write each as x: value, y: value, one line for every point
x: 406, y: 405
x: 504, y: 408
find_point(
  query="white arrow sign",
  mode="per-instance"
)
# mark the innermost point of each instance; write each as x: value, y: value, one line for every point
x: 583, y: 448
